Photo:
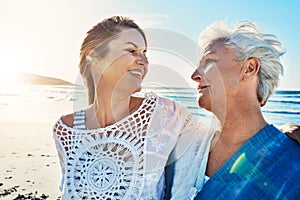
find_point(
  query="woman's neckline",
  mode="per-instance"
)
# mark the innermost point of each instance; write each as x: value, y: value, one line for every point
x: 147, y: 96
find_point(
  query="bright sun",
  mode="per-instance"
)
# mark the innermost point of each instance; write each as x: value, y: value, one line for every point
x: 13, y: 59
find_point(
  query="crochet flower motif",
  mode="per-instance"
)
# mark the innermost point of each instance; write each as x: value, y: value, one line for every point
x: 106, y: 169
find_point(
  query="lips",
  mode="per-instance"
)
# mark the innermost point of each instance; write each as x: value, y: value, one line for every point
x: 201, y: 87
x: 137, y: 73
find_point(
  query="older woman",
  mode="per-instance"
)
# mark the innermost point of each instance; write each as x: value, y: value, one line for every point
x: 237, y: 74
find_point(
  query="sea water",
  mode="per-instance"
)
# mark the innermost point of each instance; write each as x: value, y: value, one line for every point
x: 34, y: 102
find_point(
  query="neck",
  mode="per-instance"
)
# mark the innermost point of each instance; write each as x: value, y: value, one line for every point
x: 241, y: 121
x: 108, y: 108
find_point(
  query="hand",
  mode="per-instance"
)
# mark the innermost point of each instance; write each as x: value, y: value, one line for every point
x: 291, y: 130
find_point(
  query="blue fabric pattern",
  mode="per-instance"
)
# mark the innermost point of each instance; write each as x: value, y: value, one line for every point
x: 266, y: 167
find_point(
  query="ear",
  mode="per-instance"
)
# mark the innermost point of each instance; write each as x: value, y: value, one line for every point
x: 90, y: 56
x: 250, y: 69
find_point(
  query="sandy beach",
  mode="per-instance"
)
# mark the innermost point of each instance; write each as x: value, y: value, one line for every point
x: 29, y: 166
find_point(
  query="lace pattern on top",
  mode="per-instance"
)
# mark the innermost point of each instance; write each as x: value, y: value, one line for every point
x: 106, y: 163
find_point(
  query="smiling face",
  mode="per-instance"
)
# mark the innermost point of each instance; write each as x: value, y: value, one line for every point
x: 125, y: 65
x: 218, y: 77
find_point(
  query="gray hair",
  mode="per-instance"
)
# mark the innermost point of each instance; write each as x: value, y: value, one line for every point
x: 248, y: 42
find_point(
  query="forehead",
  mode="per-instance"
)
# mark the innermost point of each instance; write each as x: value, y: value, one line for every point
x: 217, y: 49
x: 129, y: 35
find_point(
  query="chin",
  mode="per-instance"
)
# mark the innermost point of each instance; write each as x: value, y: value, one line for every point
x: 138, y: 89
x: 204, y: 104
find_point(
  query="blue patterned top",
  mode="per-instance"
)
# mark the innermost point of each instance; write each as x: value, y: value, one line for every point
x: 266, y: 167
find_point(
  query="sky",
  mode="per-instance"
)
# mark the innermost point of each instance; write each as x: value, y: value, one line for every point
x: 44, y: 36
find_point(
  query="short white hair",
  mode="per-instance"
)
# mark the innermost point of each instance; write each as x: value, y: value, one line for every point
x: 248, y: 42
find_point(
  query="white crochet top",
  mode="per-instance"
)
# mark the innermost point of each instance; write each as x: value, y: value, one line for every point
x: 125, y: 160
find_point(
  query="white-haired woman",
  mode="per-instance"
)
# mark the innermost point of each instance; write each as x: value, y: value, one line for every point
x: 237, y: 74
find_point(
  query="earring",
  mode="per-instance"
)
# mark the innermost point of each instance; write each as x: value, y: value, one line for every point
x: 91, y: 59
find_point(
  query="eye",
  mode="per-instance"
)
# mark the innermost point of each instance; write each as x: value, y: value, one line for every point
x: 208, y: 61
x: 132, y: 51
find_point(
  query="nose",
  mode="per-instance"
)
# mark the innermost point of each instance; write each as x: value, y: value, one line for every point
x: 142, y: 59
x: 196, y: 76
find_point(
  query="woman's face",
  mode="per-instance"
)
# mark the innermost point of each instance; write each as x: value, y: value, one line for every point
x: 125, y: 65
x: 218, y: 76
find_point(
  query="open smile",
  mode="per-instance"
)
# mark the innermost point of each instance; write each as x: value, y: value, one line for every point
x: 136, y: 73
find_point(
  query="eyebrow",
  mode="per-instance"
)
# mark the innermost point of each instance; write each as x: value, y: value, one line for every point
x: 136, y: 46
x: 207, y: 53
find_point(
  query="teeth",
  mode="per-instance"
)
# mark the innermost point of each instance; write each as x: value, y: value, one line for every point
x: 136, y: 73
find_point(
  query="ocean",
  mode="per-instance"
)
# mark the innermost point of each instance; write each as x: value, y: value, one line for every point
x: 29, y: 162
x: 282, y: 107
x: 37, y: 102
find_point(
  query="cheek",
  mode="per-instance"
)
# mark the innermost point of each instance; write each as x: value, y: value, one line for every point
x: 126, y: 59
x: 145, y: 72
x: 209, y: 69
x: 121, y: 65
x: 231, y: 80
x: 121, y: 59
x: 217, y: 82
x: 212, y: 75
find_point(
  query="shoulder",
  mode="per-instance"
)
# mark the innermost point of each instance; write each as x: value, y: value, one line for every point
x: 68, y: 119
x: 284, y: 150
x: 284, y: 139
x: 271, y: 135
x: 169, y: 103
x: 160, y: 102
x: 278, y: 143
x: 64, y: 124
x: 165, y: 100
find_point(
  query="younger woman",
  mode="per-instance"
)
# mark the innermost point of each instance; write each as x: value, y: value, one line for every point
x: 118, y: 147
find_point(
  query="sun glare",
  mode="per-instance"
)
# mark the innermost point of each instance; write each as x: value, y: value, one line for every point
x: 13, y: 59
x: 13, y: 62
